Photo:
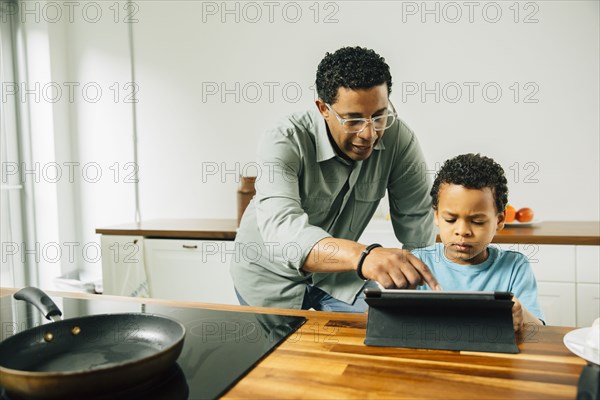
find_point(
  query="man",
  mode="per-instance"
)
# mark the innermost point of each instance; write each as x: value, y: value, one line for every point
x: 324, y: 172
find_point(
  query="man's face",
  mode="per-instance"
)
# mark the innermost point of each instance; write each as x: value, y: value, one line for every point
x: 468, y: 220
x: 359, y: 103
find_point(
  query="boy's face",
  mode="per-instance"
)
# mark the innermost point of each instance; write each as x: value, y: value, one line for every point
x: 467, y: 220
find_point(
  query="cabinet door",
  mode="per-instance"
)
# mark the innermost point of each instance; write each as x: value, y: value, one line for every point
x: 123, y: 267
x: 557, y: 301
x: 588, y: 264
x: 588, y: 303
x: 550, y: 263
x: 190, y: 270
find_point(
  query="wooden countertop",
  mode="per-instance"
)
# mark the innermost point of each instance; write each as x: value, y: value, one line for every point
x: 552, y: 232
x: 177, y: 228
x: 326, y: 358
x: 549, y: 232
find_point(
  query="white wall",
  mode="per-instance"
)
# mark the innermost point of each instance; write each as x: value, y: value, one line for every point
x: 549, y: 147
x: 547, y: 142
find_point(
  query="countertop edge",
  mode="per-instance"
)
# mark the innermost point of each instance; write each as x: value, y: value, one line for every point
x: 585, y: 233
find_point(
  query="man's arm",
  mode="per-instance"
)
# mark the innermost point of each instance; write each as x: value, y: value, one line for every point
x: 391, y: 267
x: 282, y: 222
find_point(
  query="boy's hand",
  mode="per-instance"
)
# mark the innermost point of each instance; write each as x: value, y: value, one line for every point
x: 522, y: 316
x: 517, y: 314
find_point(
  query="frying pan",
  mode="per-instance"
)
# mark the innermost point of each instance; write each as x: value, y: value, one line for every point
x: 87, y: 355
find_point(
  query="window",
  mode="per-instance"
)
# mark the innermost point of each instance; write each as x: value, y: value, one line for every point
x: 14, y: 271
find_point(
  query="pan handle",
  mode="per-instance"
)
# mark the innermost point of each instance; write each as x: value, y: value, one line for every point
x: 40, y: 300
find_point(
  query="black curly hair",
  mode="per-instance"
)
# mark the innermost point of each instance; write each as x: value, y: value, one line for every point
x: 351, y: 68
x: 472, y: 171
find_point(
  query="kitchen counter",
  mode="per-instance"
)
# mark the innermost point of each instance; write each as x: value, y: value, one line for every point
x: 223, y: 229
x: 326, y: 358
x: 552, y: 232
x: 549, y: 232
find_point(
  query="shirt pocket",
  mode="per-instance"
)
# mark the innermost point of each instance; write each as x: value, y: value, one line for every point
x: 366, y: 199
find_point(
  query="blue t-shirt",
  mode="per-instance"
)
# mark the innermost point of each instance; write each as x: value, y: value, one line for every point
x: 503, y: 271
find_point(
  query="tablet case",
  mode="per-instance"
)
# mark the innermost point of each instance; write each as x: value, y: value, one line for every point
x: 475, y: 321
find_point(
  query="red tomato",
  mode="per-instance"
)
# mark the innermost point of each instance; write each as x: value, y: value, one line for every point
x: 524, y: 215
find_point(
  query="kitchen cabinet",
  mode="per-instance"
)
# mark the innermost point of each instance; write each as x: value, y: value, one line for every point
x: 588, y: 284
x: 568, y: 281
x: 186, y: 270
x: 123, y: 265
x: 184, y: 260
x: 588, y: 303
x: 558, y: 303
x: 190, y: 270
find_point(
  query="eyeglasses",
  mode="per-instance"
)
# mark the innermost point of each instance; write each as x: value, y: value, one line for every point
x: 357, y: 125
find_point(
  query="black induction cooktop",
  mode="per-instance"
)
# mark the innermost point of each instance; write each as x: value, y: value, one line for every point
x: 220, y: 346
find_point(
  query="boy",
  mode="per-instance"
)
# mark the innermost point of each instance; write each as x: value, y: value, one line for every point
x: 469, y: 196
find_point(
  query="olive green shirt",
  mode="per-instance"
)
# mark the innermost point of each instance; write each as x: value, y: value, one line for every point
x: 300, y: 200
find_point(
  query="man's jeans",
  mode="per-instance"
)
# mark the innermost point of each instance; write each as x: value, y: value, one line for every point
x: 317, y: 299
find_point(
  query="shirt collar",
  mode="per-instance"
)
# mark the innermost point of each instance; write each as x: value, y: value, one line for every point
x: 325, y: 150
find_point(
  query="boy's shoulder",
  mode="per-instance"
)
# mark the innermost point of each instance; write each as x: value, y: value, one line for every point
x: 506, y: 256
x: 434, y: 254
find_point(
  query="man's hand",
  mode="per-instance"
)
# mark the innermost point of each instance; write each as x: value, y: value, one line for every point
x: 397, y: 268
x: 391, y: 267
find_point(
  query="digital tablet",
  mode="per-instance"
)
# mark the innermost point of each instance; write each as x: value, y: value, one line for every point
x: 446, y: 320
x: 371, y: 293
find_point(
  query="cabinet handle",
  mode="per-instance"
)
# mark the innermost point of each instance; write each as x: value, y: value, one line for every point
x: 186, y: 246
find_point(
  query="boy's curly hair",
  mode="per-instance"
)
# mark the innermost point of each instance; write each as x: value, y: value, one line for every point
x: 473, y: 171
x: 351, y: 68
